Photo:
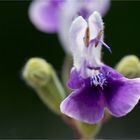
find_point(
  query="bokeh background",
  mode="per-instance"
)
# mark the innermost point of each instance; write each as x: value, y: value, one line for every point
x: 22, y: 114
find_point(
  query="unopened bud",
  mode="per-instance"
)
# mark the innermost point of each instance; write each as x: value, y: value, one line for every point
x: 129, y: 66
x: 41, y: 76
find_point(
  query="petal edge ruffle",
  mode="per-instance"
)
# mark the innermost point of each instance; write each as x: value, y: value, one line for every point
x: 122, y: 96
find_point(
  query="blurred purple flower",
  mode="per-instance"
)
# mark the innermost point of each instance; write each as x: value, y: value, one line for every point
x: 56, y: 15
x: 44, y: 14
x: 96, y: 86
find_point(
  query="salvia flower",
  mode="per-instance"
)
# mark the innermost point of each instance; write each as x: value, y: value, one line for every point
x: 54, y: 16
x: 96, y: 86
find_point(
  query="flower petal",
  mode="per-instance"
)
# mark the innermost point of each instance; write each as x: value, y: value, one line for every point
x: 95, y: 24
x: 77, y: 34
x: 75, y: 80
x: 85, y: 104
x: 96, y: 27
x: 44, y: 14
x: 110, y: 72
x: 122, y: 96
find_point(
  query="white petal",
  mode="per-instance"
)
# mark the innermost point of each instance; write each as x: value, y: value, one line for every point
x: 77, y: 34
x: 95, y: 24
x: 95, y: 27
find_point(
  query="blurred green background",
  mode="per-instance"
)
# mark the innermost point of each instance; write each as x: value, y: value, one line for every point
x: 22, y: 114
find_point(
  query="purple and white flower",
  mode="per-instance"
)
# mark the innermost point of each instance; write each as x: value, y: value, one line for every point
x: 96, y: 86
x: 44, y: 14
x: 53, y: 16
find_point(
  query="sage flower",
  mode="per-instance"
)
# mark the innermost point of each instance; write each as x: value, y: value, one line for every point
x: 56, y: 16
x: 96, y: 86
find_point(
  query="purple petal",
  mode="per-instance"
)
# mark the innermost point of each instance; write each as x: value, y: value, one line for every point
x: 86, y: 105
x: 75, y: 80
x: 122, y: 95
x: 110, y: 72
x: 44, y: 14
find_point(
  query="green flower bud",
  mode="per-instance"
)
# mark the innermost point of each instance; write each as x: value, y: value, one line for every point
x: 129, y: 66
x: 41, y: 76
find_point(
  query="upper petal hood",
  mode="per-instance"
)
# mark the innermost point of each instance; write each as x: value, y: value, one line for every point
x: 75, y: 8
x: 82, y: 32
x: 77, y: 34
x: 96, y: 28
